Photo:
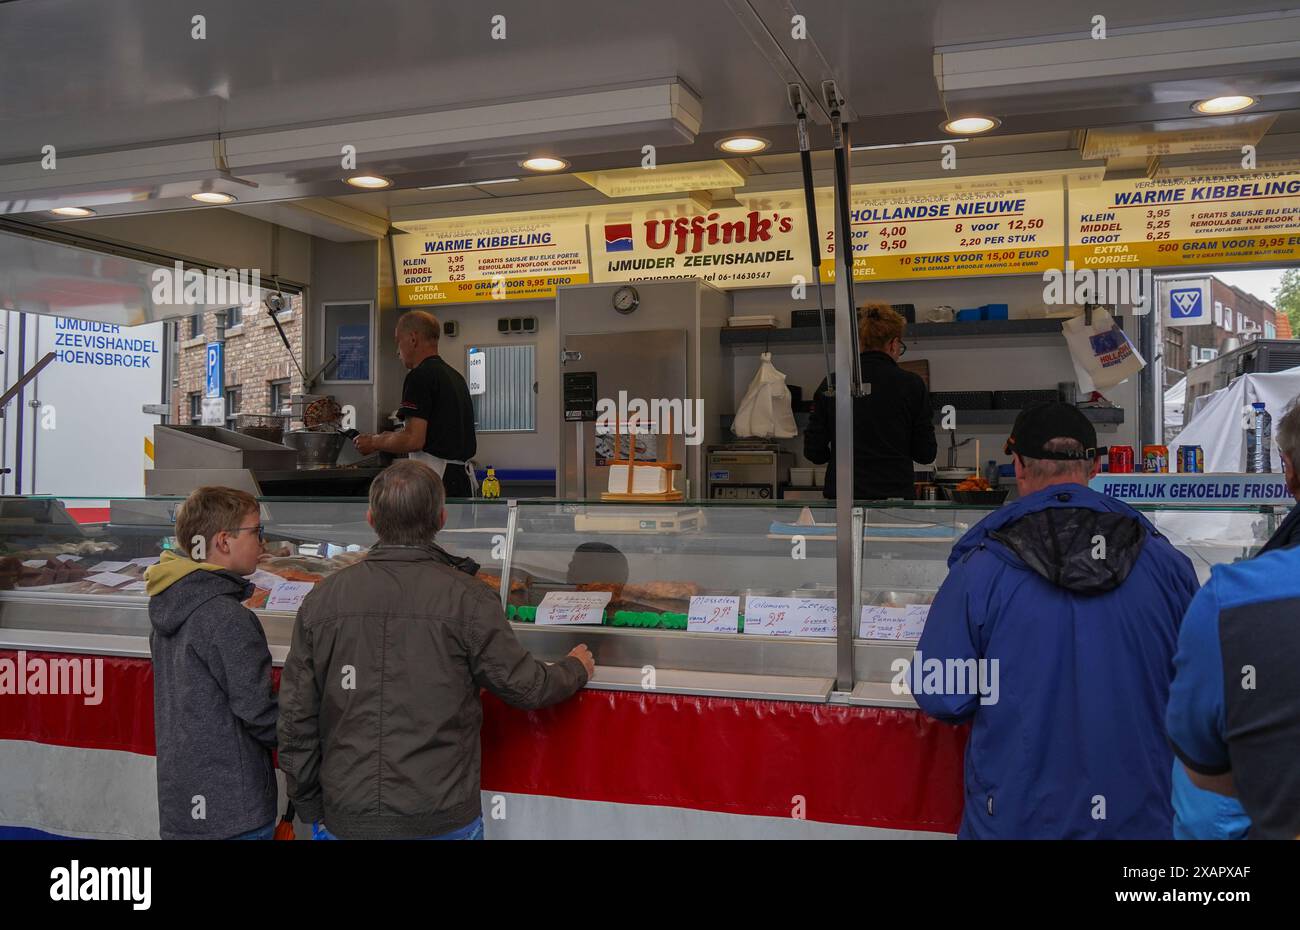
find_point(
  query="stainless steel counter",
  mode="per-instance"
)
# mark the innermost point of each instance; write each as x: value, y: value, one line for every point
x: 669, y: 662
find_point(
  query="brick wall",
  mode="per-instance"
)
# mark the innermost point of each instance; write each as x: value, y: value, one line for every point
x: 1178, y: 348
x: 254, y: 357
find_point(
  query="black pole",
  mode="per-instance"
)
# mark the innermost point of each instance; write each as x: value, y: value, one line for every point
x: 814, y: 233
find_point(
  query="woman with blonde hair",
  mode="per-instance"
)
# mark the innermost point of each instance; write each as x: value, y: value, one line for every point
x: 892, y: 424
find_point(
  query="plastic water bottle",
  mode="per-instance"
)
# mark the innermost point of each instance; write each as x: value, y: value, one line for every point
x: 991, y: 473
x: 1259, y: 440
x: 491, y: 486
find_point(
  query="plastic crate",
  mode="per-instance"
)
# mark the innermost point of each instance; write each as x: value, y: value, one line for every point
x: 1018, y: 400
x: 802, y: 318
x: 962, y: 400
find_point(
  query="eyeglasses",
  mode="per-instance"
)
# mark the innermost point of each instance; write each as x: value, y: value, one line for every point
x: 902, y: 347
x: 261, y: 531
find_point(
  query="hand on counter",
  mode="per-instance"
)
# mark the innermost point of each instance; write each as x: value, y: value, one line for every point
x: 583, y: 655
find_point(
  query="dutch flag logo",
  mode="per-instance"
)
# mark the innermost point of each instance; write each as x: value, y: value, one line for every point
x: 618, y: 237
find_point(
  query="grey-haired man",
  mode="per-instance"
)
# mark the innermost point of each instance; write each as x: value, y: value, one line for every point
x: 379, y: 701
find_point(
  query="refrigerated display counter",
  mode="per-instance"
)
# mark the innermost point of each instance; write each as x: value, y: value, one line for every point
x: 725, y: 720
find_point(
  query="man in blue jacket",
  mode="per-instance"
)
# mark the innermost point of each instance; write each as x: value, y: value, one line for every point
x: 1064, y: 606
x: 1234, y: 708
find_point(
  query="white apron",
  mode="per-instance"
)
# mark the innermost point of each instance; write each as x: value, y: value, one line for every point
x: 439, y: 467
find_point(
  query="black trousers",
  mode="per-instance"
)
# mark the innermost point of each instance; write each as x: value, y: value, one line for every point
x: 455, y: 481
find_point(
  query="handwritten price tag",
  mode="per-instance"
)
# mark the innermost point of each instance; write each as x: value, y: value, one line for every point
x: 882, y: 622
x: 288, y: 595
x: 264, y: 579
x: 714, y: 614
x: 790, y: 616
x: 914, y: 621
x: 561, y: 608
x: 109, y: 566
x: 110, y: 579
x: 898, y: 623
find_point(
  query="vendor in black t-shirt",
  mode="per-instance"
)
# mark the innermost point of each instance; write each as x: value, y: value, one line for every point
x: 436, y: 411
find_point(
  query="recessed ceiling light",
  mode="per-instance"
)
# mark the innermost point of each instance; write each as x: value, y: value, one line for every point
x: 212, y: 197
x: 369, y: 181
x: 544, y: 163
x: 440, y: 187
x: 969, y: 125
x: 1216, y: 106
x: 72, y: 211
x: 744, y: 145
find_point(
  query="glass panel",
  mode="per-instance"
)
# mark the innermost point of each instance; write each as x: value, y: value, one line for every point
x: 653, y: 559
x: 906, y: 549
x: 47, y: 551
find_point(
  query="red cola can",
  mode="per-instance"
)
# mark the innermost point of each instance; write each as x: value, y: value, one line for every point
x: 1120, y: 459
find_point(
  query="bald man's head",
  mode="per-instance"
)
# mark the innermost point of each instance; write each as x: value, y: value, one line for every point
x: 421, y: 323
x: 417, y: 336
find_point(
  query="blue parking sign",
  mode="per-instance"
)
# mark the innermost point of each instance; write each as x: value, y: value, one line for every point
x: 214, y: 376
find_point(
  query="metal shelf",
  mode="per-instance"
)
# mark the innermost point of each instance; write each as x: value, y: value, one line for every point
x: 811, y: 335
x: 1103, y: 416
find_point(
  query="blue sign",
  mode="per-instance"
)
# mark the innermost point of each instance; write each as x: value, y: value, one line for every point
x: 215, y: 374
x: 354, y: 353
x: 1185, y: 303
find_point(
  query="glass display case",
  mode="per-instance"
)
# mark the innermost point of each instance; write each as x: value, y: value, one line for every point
x: 709, y: 598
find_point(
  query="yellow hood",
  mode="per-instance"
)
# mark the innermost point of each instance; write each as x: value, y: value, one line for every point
x: 170, y: 569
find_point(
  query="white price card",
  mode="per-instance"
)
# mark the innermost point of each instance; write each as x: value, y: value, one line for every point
x: 790, y: 616
x: 109, y: 566
x: 914, y: 621
x: 146, y: 561
x: 111, y: 579
x: 264, y: 579
x: 570, y: 607
x: 476, y: 377
x: 134, y: 586
x: 714, y: 614
x: 288, y: 595
x: 882, y: 622
x: 35, y: 563
x: 68, y: 558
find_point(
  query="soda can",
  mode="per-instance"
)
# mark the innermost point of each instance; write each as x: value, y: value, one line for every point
x: 1155, y: 459
x: 1191, y: 459
x: 1120, y: 459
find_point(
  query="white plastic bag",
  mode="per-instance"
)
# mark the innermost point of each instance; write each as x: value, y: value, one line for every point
x: 765, y: 411
x: 1102, y: 353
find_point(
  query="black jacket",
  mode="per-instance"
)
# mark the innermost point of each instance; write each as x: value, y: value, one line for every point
x: 1287, y: 533
x: 892, y: 428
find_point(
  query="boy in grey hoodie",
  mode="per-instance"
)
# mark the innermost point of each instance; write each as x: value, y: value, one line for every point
x: 214, y: 713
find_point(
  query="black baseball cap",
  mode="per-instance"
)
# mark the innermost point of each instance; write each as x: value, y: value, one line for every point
x: 1038, y: 425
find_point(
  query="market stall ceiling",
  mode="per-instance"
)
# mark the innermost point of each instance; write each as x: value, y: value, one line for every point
x: 126, y: 86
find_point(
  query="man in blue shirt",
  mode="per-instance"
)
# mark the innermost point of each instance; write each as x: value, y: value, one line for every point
x: 1234, y: 708
x: 1067, y: 602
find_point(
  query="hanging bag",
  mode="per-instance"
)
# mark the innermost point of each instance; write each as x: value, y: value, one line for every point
x: 765, y: 411
x: 1103, y: 355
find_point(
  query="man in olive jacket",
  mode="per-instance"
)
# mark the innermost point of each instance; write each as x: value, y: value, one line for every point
x: 379, y: 700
